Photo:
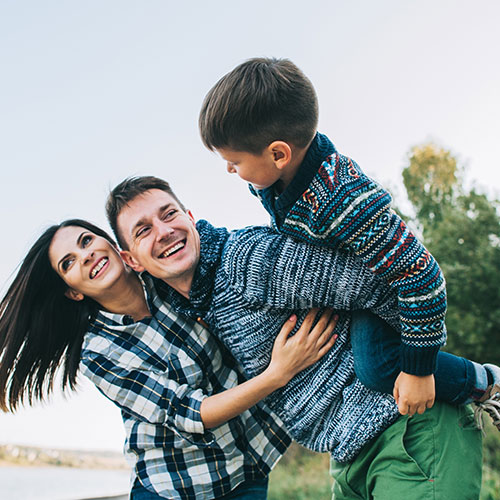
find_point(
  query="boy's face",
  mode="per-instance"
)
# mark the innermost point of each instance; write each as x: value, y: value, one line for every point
x: 259, y: 170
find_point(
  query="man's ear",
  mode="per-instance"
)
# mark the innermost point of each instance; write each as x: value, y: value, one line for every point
x: 281, y: 153
x: 74, y: 295
x: 128, y: 258
x: 191, y: 216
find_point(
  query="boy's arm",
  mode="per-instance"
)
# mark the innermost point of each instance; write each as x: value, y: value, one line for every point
x: 343, y: 208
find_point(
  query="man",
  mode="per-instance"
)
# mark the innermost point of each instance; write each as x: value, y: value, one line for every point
x: 243, y: 285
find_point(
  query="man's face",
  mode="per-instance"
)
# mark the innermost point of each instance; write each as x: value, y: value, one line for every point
x: 162, y: 239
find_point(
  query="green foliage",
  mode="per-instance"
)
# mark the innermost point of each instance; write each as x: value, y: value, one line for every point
x: 491, y: 458
x: 462, y: 230
x: 301, y: 475
x: 430, y: 180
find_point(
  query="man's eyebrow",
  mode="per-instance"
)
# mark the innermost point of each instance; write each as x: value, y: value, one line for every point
x: 142, y: 221
x: 68, y: 254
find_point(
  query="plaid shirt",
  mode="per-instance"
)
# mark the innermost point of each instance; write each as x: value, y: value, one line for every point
x: 158, y: 371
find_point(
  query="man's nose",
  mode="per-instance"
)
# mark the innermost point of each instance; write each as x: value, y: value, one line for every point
x: 162, y: 229
x: 230, y: 168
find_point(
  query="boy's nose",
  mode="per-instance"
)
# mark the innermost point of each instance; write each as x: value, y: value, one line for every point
x: 230, y: 168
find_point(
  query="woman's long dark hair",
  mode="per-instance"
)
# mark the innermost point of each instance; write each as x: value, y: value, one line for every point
x: 40, y: 328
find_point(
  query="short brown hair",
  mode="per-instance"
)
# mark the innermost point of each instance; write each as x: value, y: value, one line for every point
x: 260, y: 101
x: 127, y: 191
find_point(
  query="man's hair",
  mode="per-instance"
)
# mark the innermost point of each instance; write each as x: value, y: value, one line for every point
x: 127, y: 191
x: 260, y: 101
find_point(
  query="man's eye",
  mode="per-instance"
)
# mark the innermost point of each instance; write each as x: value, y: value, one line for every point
x: 169, y: 214
x: 142, y: 231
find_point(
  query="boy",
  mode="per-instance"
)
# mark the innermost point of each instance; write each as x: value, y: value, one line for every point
x: 262, y: 118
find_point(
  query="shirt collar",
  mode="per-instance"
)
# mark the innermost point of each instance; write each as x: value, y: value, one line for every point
x: 320, y: 148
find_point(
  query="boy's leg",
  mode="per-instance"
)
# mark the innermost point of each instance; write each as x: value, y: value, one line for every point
x: 376, y: 349
x: 434, y: 455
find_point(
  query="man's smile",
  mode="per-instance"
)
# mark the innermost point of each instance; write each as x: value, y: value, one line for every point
x: 172, y: 249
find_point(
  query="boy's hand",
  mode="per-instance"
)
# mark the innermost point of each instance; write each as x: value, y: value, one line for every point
x: 414, y: 394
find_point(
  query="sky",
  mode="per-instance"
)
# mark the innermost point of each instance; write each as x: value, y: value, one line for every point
x: 92, y: 92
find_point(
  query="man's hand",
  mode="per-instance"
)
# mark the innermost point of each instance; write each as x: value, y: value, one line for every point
x: 414, y: 394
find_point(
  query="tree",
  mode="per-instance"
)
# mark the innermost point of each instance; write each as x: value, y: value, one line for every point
x: 462, y: 230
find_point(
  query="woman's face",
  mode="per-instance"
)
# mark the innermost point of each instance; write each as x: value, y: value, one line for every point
x: 89, y: 264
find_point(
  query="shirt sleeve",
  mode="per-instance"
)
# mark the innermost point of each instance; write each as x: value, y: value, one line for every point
x: 150, y: 396
x: 343, y: 208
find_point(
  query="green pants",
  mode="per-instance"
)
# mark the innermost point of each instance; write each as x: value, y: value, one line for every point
x: 434, y: 456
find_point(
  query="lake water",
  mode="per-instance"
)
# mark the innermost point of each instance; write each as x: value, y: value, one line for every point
x: 60, y: 483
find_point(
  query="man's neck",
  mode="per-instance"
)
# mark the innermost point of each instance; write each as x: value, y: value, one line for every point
x: 181, y: 285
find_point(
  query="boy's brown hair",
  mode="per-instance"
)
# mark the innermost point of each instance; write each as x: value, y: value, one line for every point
x: 260, y: 101
x: 127, y: 191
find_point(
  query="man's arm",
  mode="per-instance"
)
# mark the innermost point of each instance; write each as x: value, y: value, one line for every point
x: 271, y: 270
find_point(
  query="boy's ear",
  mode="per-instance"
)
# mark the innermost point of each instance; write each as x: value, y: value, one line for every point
x: 281, y: 153
x: 74, y: 295
x: 128, y: 258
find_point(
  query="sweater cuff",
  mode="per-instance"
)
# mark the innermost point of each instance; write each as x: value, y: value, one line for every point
x: 419, y: 361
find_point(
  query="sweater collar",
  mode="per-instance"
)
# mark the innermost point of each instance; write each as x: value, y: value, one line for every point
x: 212, y: 241
x: 320, y: 148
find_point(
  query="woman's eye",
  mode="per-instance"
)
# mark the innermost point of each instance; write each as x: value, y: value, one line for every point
x: 65, y: 265
x: 86, y: 240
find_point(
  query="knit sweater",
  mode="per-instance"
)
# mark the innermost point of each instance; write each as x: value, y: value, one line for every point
x: 247, y: 285
x: 331, y: 202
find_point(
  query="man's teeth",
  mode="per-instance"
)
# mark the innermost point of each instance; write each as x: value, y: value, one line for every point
x: 98, y: 267
x: 170, y: 251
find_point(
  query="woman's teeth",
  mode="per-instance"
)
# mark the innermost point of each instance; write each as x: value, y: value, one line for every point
x: 98, y: 267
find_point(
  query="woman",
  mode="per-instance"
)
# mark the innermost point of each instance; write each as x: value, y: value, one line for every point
x: 73, y: 294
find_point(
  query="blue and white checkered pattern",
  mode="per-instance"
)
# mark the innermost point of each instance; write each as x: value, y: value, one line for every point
x: 158, y: 371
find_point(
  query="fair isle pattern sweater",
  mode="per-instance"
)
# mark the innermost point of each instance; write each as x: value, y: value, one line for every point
x: 331, y: 202
x: 248, y: 284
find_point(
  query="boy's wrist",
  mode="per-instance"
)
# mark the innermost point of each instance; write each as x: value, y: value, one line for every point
x: 418, y: 361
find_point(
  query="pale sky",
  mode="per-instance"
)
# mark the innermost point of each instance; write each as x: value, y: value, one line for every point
x: 94, y: 91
